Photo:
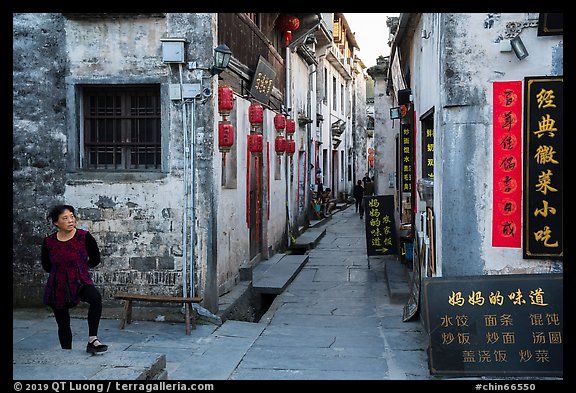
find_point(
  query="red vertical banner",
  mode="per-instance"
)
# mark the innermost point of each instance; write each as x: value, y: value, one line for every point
x: 507, y: 164
x: 268, y: 175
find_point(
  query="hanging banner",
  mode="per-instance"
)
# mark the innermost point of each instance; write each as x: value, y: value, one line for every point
x: 544, y: 162
x: 507, y: 164
x: 380, y: 227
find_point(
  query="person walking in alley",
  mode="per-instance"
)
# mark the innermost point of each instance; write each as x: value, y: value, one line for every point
x: 66, y: 255
x: 366, y: 179
x: 358, y: 194
x: 368, y: 191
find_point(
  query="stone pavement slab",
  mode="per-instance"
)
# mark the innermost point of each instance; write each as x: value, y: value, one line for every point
x: 76, y: 364
x: 228, y: 346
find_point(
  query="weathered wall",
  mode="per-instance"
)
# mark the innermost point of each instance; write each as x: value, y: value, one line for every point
x: 299, y: 103
x: 135, y: 217
x: 38, y: 152
x: 385, y: 131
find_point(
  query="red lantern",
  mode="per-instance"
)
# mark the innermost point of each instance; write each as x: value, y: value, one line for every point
x: 256, y: 114
x: 279, y: 122
x: 225, y: 100
x: 255, y: 143
x: 225, y: 136
x: 290, y: 127
x: 280, y: 145
x: 290, y: 147
x: 287, y: 24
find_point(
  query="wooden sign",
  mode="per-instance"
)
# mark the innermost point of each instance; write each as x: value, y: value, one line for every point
x: 380, y: 227
x: 543, y: 168
x: 407, y: 157
x: 263, y: 81
x: 508, y: 325
x: 550, y: 24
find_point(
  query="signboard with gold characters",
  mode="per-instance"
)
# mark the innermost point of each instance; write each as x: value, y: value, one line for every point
x: 380, y: 228
x: 495, y: 324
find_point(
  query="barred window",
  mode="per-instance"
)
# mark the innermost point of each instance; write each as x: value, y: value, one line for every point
x: 122, y: 128
x: 253, y: 16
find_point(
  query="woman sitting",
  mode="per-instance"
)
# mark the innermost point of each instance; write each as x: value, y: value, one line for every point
x: 328, y: 204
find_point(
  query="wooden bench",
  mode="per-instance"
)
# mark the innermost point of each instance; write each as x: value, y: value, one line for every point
x: 129, y: 298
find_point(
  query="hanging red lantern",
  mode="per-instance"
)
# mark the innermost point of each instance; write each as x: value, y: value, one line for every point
x: 255, y: 143
x: 287, y: 24
x: 225, y: 100
x: 225, y: 136
x: 290, y: 127
x: 280, y: 145
x: 279, y: 122
x: 290, y: 147
x: 256, y: 114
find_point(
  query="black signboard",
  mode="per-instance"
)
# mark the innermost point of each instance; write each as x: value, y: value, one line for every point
x: 406, y: 146
x: 380, y: 227
x: 550, y: 24
x: 508, y: 325
x: 428, y: 153
x: 543, y: 168
x: 263, y: 81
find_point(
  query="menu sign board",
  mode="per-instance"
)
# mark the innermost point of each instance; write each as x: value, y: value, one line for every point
x: 380, y: 227
x: 495, y: 325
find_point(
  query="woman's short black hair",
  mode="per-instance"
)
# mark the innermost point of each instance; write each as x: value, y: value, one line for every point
x: 59, y: 209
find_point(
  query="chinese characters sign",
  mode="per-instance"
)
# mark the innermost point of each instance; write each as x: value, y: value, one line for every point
x: 380, y: 228
x: 490, y: 325
x: 406, y: 156
x: 507, y: 164
x: 428, y: 153
x: 544, y: 159
x: 262, y: 81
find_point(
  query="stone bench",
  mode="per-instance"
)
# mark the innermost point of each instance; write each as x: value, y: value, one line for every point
x: 129, y: 298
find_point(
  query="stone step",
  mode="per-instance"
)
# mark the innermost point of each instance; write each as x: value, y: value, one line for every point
x: 309, y: 239
x: 276, y: 277
x: 79, y: 365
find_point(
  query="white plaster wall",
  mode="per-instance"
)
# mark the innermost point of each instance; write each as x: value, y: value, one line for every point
x: 275, y: 224
x: 300, y: 99
x: 233, y: 235
x: 384, y: 141
x: 112, y: 46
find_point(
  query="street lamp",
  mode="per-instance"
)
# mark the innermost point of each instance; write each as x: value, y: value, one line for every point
x: 518, y: 47
x: 395, y: 113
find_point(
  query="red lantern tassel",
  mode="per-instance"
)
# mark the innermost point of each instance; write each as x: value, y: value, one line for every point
x: 247, y: 184
x: 268, y: 176
x: 258, y: 207
x: 288, y: 37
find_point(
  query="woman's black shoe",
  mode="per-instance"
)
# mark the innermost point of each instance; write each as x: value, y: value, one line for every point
x: 91, y: 348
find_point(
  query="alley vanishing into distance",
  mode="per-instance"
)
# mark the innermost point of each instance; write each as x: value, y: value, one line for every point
x: 337, y: 319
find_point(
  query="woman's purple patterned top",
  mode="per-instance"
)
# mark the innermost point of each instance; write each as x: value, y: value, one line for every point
x: 68, y: 263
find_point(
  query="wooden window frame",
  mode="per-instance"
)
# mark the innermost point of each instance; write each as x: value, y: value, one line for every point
x: 121, y: 126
